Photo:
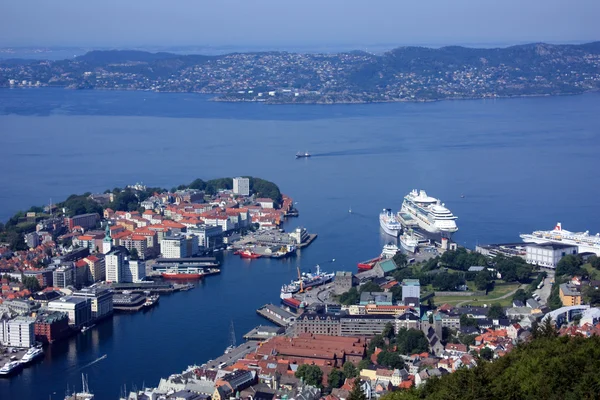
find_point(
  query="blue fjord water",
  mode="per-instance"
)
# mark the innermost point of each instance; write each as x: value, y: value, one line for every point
x: 522, y: 164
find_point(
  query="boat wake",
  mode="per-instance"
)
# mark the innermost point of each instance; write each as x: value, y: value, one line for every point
x: 93, y: 362
x: 359, y: 152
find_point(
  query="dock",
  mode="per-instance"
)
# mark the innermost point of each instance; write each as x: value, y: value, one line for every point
x: 230, y: 357
x: 311, y: 238
x: 277, y: 315
x: 262, y: 332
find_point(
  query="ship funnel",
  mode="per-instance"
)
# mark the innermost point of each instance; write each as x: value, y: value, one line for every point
x: 558, y: 227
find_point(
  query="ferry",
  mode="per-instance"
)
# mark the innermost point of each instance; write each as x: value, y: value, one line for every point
x: 389, y: 251
x: 583, y: 240
x: 183, y: 273
x: 409, y: 241
x: 430, y: 213
x: 11, y: 367
x: 388, y: 223
x: 32, y: 354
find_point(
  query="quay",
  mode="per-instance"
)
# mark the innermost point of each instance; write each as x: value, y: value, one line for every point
x: 277, y: 315
x: 263, y: 332
x: 311, y: 238
x: 128, y: 302
x: 141, y: 287
x: 231, y: 356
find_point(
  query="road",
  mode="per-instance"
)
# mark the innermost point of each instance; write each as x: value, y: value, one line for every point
x: 544, y: 292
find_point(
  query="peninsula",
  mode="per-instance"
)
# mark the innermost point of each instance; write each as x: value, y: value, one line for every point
x: 403, y: 74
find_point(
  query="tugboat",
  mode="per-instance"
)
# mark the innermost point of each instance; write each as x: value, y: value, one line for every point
x: 249, y: 254
x: 306, y: 154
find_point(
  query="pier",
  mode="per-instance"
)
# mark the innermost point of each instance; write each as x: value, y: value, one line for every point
x: 277, y: 315
x: 263, y: 332
x: 230, y: 357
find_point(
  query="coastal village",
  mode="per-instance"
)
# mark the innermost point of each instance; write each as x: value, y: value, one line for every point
x: 397, y: 321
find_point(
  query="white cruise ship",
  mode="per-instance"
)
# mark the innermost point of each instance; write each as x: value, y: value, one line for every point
x: 429, y: 212
x: 409, y: 241
x: 389, y: 224
x: 583, y: 240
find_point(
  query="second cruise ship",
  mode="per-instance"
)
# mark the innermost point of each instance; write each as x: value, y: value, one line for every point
x: 430, y: 213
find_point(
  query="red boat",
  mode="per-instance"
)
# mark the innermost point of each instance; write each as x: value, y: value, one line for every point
x: 182, y: 275
x: 249, y: 254
x: 367, y: 265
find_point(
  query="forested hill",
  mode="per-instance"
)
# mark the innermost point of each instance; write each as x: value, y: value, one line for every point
x: 566, y: 368
x: 403, y: 74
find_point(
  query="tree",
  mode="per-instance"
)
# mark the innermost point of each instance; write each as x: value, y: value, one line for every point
x: 335, y: 378
x: 357, y: 393
x: 410, y: 341
x: 496, y: 311
x: 486, y: 353
x: 465, y: 320
x: 400, y: 259
x: 350, y: 297
x: 310, y: 374
x: 594, y: 261
x: 350, y: 371
x: 370, y: 287
x: 31, y: 283
x: 521, y: 295
x: 570, y: 265
x: 133, y: 254
x: 388, y: 331
x: 547, y: 328
x: 390, y: 359
x: 377, y: 342
x: 482, y: 280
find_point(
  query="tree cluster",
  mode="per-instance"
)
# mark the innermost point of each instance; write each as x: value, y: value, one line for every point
x: 461, y: 259
x: 513, y: 269
x: 546, y: 368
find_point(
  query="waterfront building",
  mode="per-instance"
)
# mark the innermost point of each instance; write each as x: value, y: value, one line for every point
x: 207, y: 236
x: 101, y: 301
x: 51, y: 326
x: 241, y: 186
x: 77, y: 308
x: 121, y: 269
x: 547, y: 254
x: 411, y: 288
x: 114, y: 262
x: 64, y: 276
x: 318, y: 324
x: 300, y: 235
x: 96, y: 268
x: 569, y: 295
x: 86, y: 221
x: 18, y: 332
x: 173, y: 247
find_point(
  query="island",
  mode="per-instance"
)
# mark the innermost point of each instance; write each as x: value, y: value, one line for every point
x: 414, y: 74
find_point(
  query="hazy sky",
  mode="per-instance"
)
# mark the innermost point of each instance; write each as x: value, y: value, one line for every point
x: 125, y: 23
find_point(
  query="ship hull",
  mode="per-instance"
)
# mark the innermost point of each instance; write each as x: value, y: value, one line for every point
x: 369, y: 264
x: 410, y: 248
x: 181, y: 276
x: 390, y: 231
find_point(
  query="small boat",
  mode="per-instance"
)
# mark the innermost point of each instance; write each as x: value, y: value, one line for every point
x: 303, y: 155
x: 151, y: 300
x: 10, y: 367
x: 249, y: 254
x: 86, y: 328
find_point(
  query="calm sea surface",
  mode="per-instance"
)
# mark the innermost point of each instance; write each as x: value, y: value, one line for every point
x: 522, y: 164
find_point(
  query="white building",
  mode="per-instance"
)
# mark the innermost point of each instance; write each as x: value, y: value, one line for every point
x: 120, y: 269
x: 134, y: 271
x: 411, y: 288
x: 114, y: 263
x: 173, y: 247
x: 18, y: 332
x: 547, y: 254
x: 78, y: 309
x: 241, y: 186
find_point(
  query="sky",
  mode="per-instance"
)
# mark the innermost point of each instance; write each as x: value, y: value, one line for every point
x: 130, y: 23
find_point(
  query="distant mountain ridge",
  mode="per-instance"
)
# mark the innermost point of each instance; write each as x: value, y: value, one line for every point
x: 409, y: 73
